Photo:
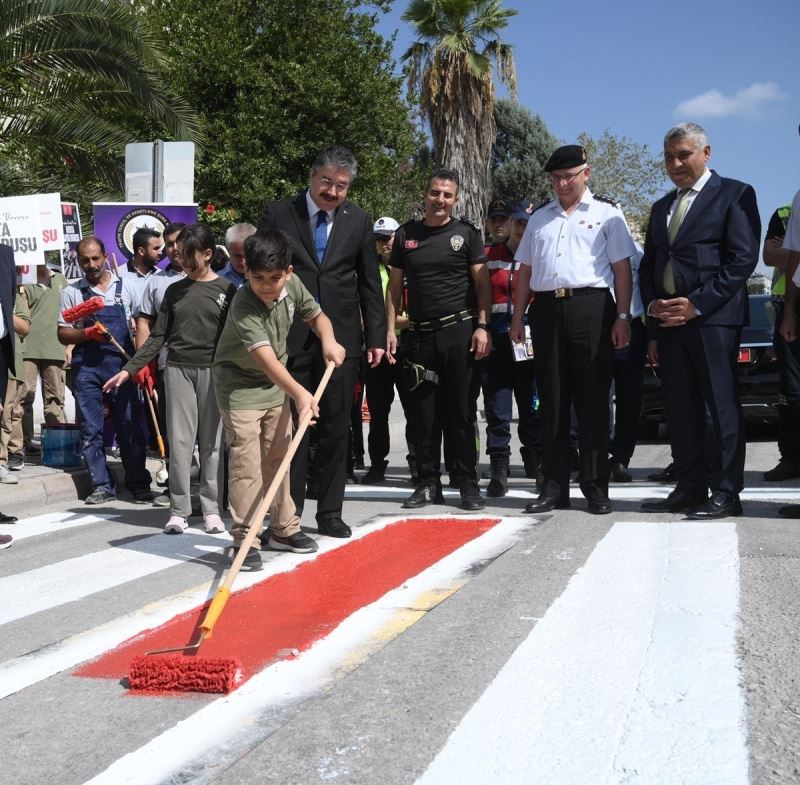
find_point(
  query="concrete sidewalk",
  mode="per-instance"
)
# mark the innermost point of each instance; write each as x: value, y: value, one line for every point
x: 44, y: 485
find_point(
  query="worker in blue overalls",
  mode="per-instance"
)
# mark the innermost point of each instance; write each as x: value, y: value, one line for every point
x: 94, y: 361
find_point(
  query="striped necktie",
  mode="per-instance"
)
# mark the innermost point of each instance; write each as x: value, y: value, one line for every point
x: 672, y: 232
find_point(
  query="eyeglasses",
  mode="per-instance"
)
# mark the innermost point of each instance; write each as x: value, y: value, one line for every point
x: 566, y: 178
x: 342, y: 185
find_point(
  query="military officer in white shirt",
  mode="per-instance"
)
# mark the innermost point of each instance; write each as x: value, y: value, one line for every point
x: 575, y: 251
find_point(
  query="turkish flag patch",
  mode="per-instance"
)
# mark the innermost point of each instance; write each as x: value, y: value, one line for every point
x: 411, y: 244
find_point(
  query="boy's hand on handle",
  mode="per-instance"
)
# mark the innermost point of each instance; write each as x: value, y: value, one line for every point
x: 304, y: 402
x: 334, y: 353
x: 116, y: 381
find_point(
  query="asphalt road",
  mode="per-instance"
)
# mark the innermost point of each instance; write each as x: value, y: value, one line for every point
x: 628, y: 648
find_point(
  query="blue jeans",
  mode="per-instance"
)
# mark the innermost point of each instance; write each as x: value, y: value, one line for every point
x: 124, y: 408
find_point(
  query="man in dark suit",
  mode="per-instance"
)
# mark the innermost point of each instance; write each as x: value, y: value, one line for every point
x: 702, y: 244
x: 335, y: 257
x: 8, y: 296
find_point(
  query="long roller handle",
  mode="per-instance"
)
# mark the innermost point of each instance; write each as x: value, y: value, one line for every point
x: 223, y: 592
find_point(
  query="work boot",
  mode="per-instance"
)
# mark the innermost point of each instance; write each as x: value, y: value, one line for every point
x: 498, y: 483
x: 471, y: 498
x: 429, y: 492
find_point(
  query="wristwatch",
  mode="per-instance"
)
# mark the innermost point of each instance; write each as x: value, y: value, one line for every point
x: 626, y: 317
x: 482, y: 326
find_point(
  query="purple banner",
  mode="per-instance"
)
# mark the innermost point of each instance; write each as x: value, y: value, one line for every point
x: 116, y: 222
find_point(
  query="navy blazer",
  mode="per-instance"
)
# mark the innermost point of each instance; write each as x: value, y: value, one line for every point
x: 8, y: 296
x: 347, y: 284
x: 715, y: 251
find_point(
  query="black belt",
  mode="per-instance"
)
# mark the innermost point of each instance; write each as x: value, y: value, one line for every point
x: 444, y: 321
x: 563, y: 292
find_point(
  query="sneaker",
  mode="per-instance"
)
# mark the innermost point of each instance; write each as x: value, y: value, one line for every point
x: 5, y: 541
x: 16, y: 461
x: 34, y: 447
x: 471, y: 498
x: 783, y: 471
x: 176, y: 525
x: 162, y: 500
x: 6, y: 478
x: 299, y: 542
x: 213, y: 524
x: 252, y: 562
x: 425, y: 493
x: 100, y: 496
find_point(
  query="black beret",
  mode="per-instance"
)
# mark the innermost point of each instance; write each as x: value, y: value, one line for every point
x: 566, y: 157
x: 502, y: 207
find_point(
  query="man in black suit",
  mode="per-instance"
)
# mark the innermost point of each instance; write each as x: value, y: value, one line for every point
x: 8, y: 296
x: 335, y: 257
x: 702, y: 244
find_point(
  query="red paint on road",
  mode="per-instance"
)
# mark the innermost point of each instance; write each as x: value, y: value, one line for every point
x: 293, y: 610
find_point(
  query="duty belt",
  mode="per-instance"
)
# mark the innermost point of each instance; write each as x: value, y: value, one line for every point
x: 563, y: 292
x: 445, y: 321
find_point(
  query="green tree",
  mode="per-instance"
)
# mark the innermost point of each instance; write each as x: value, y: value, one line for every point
x: 450, y: 72
x: 275, y: 82
x: 522, y: 145
x: 625, y: 171
x: 75, y: 77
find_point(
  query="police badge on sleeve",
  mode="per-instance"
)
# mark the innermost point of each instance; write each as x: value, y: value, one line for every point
x: 456, y: 242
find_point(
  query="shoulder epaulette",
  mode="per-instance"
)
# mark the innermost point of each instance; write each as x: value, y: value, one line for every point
x: 606, y: 199
x: 539, y: 206
x: 469, y: 222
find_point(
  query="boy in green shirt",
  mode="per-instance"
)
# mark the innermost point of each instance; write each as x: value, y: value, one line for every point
x: 252, y: 384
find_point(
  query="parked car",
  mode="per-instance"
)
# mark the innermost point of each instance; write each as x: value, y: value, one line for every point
x: 758, y: 372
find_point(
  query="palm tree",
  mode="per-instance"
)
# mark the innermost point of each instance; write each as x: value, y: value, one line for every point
x: 77, y: 79
x: 450, y: 70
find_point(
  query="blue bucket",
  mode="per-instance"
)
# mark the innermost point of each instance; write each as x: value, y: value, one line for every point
x: 61, y: 444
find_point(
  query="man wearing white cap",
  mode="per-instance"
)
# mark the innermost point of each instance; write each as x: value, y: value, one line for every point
x: 382, y: 379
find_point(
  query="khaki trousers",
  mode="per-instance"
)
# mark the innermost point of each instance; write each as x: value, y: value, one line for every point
x: 258, y: 441
x: 52, y: 376
x: 11, y: 420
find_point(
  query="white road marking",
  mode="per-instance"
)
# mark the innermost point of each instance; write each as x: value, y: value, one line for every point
x: 50, y: 523
x: 631, y: 676
x: 48, y: 587
x: 193, y: 741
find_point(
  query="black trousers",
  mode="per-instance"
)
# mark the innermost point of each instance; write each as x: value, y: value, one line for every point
x: 628, y: 378
x: 788, y: 356
x: 698, y: 370
x: 381, y: 383
x: 574, y: 357
x: 6, y: 350
x: 447, y: 407
x: 330, y: 457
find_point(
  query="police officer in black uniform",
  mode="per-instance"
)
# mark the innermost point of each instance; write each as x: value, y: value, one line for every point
x: 449, y: 301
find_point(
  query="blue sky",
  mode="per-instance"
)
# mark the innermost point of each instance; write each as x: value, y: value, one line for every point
x: 638, y: 68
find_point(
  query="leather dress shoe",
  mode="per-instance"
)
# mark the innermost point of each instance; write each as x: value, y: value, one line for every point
x: 783, y: 471
x: 334, y: 527
x: 677, y: 501
x: 545, y: 503
x: 7, y: 518
x: 668, y: 475
x: 619, y: 472
x: 720, y: 505
x: 599, y: 505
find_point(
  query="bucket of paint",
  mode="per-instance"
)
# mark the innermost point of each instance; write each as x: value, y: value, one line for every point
x: 61, y: 444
